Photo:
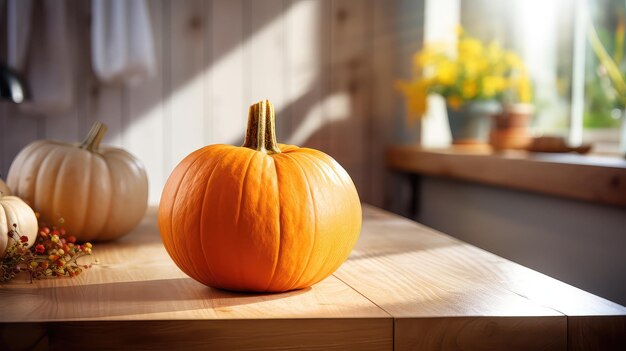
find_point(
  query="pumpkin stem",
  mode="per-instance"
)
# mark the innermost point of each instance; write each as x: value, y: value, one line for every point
x: 261, y: 132
x: 93, y: 139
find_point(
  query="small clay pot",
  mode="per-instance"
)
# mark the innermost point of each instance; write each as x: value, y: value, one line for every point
x: 510, y: 128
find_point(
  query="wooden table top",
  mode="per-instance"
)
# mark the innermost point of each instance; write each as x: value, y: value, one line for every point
x: 405, y: 286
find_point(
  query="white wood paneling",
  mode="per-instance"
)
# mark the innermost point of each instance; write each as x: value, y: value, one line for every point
x: 306, y: 60
x: 385, y: 105
x: 207, y: 87
x: 18, y: 131
x: 350, y: 87
x: 266, y: 56
x: 106, y: 107
x: 143, y: 124
x: 64, y: 126
x: 185, y: 103
x: 105, y: 101
x: 85, y: 85
x: 316, y: 60
x: 4, y: 129
x: 228, y: 102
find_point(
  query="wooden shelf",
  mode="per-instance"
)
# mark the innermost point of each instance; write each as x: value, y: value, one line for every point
x: 599, y: 179
x: 405, y: 286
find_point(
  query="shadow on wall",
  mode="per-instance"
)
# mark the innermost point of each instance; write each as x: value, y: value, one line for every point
x: 328, y: 66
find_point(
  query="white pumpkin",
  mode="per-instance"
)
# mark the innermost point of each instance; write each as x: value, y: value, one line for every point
x: 15, y: 211
x: 101, y: 193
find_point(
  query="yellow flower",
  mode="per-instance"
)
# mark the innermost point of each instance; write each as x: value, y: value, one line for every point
x: 470, y: 47
x: 430, y: 54
x: 494, y: 52
x: 446, y: 73
x: 524, y: 90
x: 493, y: 85
x: 513, y: 60
x: 473, y: 68
x: 477, y: 71
x: 422, y: 58
x: 469, y: 89
x: 415, y: 93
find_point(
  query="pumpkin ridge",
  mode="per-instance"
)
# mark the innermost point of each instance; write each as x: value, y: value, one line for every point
x: 174, y: 241
x: 174, y: 251
x: 86, y: 207
x: 8, y: 207
x: 32, y: 153
x: 308, y: 185
x: 5, y: 237
x: 314, y: 157
x: 57, y: 180
x: 95, y: 157
x: 313, y: 279
x: 43, y: 171
x: 116, y: 159
x: 279, y: 230
x: 202, y: 236
x: 241, y: 195
x: 110, y: 175
x: 12, y: 206
x: 331, y: 162
x: 169, y: 246
x: 243, y: 183
x: 16, y: 167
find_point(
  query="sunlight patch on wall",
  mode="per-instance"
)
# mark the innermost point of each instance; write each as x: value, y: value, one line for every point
x: 334, y: 108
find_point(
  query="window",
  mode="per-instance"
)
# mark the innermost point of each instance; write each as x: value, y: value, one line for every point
x: 573, y: 94
x: 603, y: 106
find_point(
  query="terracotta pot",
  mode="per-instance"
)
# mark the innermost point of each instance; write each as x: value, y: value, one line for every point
x: 470, y: 124
x: 510, y: 128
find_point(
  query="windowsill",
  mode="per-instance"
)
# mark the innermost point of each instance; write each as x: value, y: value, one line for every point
x: 595, y: 178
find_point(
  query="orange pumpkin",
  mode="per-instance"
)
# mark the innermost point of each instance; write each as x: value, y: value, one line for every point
x: 261, y: 217
x: 100, y: 192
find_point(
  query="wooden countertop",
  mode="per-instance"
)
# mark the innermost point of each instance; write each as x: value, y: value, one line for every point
x: 405, y: 286
x: 600, y: 179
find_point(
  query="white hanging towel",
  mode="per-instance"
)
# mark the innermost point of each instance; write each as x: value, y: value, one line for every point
x: 122, y: 45
x: 38, y: 48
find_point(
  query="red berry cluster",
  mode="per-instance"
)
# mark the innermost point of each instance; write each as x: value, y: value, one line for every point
x: 55, y: 254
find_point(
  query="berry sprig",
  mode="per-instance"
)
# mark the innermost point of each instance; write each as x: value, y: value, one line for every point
x: 15, y: 255
x: 55, y: 254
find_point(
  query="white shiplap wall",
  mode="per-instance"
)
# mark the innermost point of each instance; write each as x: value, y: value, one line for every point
x: 328, y: 66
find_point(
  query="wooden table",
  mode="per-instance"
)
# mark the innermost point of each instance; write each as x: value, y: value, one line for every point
x: 404, y: 287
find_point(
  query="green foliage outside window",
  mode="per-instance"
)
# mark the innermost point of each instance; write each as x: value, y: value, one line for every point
x: 605, y: 95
